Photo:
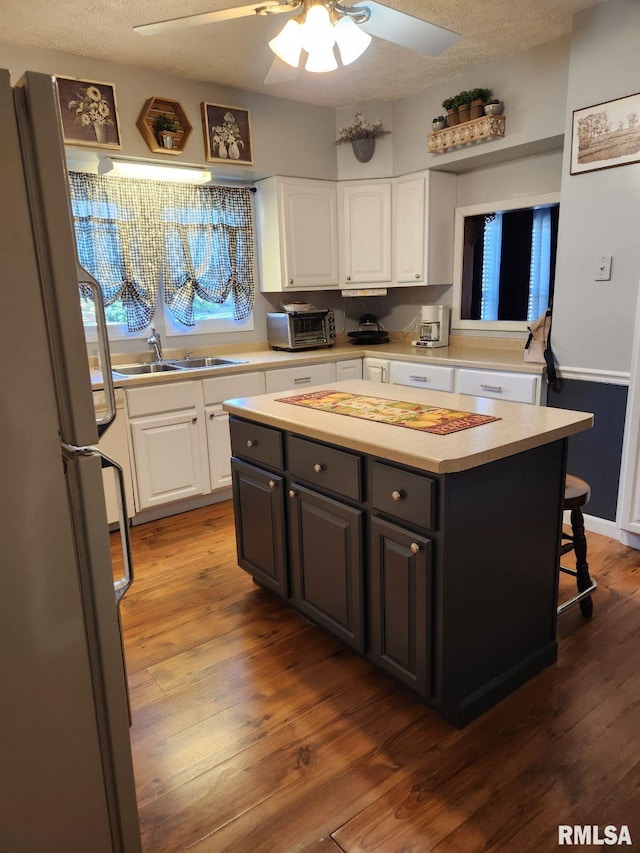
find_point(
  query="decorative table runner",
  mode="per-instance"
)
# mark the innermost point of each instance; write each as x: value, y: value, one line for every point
x: 432, y: 419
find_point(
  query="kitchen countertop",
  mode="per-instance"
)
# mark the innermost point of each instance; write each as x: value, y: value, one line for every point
x: 473, y: 354
x: 521, y: 427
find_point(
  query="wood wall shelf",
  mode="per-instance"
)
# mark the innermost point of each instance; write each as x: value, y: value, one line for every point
x: 155, y: 107
x: 485, y: 127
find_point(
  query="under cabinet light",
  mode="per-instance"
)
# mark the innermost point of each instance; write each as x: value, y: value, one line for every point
x: 153, y: 171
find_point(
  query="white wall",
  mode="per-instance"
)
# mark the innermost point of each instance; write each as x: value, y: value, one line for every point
x: 593, y: 322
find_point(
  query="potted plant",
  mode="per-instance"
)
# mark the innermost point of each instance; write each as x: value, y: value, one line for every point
x: 451, y: 107
x: 464, y: 106
x: 362, y: 135
x: 479, y: 97
x: 438, y: 123
x: 493, y: 108
x: 166, y: 129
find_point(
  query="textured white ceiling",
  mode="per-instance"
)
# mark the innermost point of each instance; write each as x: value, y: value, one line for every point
x: 235, y: 53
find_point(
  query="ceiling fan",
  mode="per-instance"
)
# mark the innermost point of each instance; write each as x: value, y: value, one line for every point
x: 318, y: 26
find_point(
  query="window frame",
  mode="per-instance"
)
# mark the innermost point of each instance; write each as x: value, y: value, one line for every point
x: 500, y: 206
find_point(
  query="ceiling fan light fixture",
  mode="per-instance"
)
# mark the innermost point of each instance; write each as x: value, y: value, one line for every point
x: 317, y: 31
x: 287, y: 45
x: 351, y: 40
x: 321, y: 59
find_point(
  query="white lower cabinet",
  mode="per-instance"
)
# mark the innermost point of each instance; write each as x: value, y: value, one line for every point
x: 168, y: 457
x: 498, y: 384
x: 376, y: 369
x: 349, y: 369
x: 431, y: 376
x: 290, y: 378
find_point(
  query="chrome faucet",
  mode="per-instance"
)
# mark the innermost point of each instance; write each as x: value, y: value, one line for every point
x: 154, y: 341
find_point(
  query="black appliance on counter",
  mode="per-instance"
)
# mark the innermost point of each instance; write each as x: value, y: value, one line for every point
x: 369, y: 332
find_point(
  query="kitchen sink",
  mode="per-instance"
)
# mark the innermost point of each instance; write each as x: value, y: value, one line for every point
x: 205, y: 361
x: 140, y: 369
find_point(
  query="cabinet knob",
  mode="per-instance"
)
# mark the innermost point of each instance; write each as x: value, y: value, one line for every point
x: 396, y: 495
x: 291, y: 493
x: 290, y: 281
x: 414, y: 547
x: 211, y: 416
x: 251, y: 442
x: 318, y: 467
x: 272, y: 484
x: 348, y: 278
x: 194, y: 419
x: 417, y: 275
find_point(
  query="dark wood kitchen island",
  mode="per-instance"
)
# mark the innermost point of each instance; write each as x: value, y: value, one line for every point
x: 433, y: 555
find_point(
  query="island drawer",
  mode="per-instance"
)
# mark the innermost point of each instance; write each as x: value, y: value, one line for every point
x: 317, y: 464
x: 256, y: 443
x: 403, y: 494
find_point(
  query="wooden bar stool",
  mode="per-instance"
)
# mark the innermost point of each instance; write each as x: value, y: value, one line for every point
x: 576, y: 494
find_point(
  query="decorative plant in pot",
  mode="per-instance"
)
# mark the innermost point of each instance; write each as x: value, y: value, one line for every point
x: 438, y: 123
x: 493, y: 108
x: 464, y: 106
x: 362, y: 135
x: 479, y: 97
x: 451, y: 107
x: 166, y: 129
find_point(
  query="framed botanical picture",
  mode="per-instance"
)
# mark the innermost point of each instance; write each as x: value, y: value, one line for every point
x: 227, y: 138
x: 89, y: 113
x: 606, y: 135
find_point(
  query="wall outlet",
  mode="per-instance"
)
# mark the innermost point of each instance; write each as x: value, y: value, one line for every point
x: 603, y: 268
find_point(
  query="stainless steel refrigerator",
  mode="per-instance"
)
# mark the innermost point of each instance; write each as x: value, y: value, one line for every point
x: 66, y: 776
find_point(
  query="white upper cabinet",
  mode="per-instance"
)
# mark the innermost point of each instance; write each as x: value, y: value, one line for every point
x: 298, y: 231
x: 364, y: 210
x: 423, y: 225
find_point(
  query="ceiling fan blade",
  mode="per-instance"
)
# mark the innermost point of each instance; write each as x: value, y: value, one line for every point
x: 398, y: 27
x: 280, y: 72
x: 266, y: 7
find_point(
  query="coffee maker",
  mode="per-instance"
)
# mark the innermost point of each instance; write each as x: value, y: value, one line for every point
x: 434, y: 326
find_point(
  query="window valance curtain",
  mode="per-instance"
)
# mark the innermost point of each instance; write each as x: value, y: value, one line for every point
x: 200, y: 239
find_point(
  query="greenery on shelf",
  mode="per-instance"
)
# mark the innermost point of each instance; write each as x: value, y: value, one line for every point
x: 165, y: 123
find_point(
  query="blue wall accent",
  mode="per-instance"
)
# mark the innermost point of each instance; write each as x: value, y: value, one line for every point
x: 595, y: 455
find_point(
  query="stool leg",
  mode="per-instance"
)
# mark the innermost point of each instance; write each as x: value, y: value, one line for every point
x: 582, y: 567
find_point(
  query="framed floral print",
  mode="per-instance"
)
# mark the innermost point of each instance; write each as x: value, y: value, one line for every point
x: 89, y: 113
x: 227, y: 137
x: 606, y: 135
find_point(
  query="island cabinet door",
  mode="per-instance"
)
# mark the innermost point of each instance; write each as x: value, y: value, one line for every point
x: 400, y: 604
x: 326, y: 563
x: 258, y: 501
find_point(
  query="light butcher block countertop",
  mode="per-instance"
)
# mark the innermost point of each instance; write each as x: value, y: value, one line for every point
x: 474, y: 354
x: 521, y: 426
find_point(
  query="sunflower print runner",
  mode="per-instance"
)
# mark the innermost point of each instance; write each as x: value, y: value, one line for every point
x: 433, y: 419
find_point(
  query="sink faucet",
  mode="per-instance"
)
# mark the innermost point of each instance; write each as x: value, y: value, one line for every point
x: 154, y: 341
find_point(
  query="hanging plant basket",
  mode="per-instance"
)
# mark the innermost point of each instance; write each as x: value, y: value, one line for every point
x: 363, y: 149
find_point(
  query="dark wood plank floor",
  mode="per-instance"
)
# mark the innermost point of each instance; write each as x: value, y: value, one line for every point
x: 256, y: 731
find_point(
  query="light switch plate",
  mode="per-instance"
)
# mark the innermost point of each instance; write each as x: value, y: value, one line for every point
x: 603, y: 268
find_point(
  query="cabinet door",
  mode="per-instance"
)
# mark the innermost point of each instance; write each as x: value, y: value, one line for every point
x: 376, y: 369
x: 408, y: 231
x: 366, y: 230
x: 326, y: 563
x: 258, y: 504
x: 309, y: 235
x: 219, y: 445
x: 168, y: 452
x: 349, y: 369
x: 400, y: 604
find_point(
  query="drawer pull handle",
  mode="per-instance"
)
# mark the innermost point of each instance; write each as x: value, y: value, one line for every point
x: 318, y: 467
x: 396, y: 495
x: 291, y: 493
x: 496, y: 388
x: 420, y: 378
x: 272, y: 484
x: 252, y: 442
x: 414, y: 547
x: 301, y: 379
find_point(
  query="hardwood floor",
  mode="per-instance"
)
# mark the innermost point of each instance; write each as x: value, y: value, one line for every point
x: 256, y: 731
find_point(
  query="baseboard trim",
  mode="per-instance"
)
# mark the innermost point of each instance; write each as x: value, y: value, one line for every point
x: 176, y: 507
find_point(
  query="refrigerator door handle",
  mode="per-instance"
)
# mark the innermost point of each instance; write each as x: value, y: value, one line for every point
x: 104, y: 355
x: 121, y: 585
